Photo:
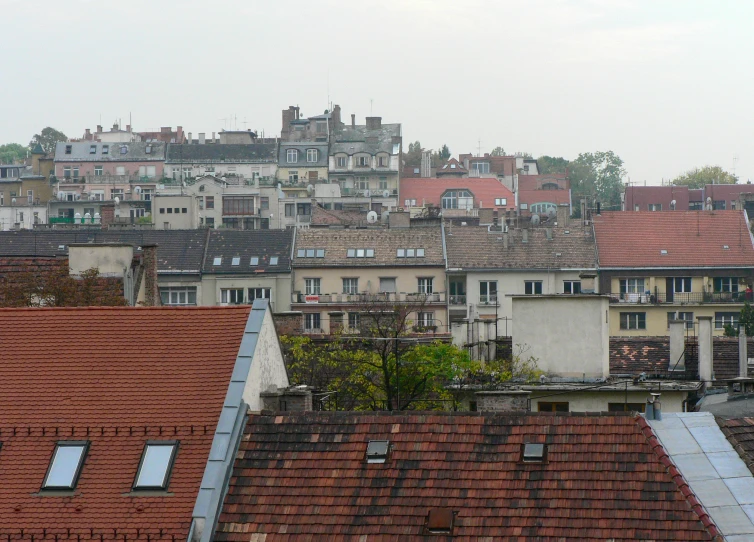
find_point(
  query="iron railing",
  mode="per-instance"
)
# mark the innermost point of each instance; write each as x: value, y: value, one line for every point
x: 680, y: 298
x: 386, y: 297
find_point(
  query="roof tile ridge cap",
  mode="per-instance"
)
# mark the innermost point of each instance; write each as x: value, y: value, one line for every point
x: 675, y: 473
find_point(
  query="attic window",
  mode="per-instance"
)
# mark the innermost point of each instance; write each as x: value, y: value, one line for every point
x: 105, y: 149
x: 452, y: 166
x: 201, y: 188
x: 726, y: 247
x: 92, y: 149
x: 439, y: 521
x: 351, y: 253
x: 66, y: 464
x: 123, y: 149
x: 68, y: 149
x: 410, y: 253
x: 148, y: 149
x: 501, y: 202
x: 61, y: 247
x: 274, y: 260
x: 377, y: 451
x: 155, y: 465
x: 321, y: 252
x: 533, y: 453
x: 419, y: 252
x: 567, y: 231
x: 236, y: 261
x: 401, y: 253
x: 310, y: 253
x: 217, y: 261
x: 663, y: 251
x: 254, y: 260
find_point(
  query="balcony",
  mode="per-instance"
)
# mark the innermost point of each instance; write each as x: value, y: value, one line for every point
x: 489, y: 300
x: 678, y: 298
x: 387, y: 297
x: 457, y: 299
x: 108, y: 179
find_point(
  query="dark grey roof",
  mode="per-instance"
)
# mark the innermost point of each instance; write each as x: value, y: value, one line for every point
x: 245, y: 244
x: 209, y: 153
x: 322, y: 160
x: 136, y: 152
x: 177, y: 250
x: 355, y: 139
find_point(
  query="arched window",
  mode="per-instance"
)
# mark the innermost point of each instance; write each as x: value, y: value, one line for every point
x: 291, y: 156
x: 542, y: 208
x: 457, y: 199
x: 550, y: 186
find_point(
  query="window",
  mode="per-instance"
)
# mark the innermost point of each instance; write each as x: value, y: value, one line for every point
x: 625, y: 407
x: 170, y: 210
x: 362, y: 183
x: 293, y: 176
x: 98, y: 170
x: 383, y: 183
x: 654, y: 207
x: 254, y: 260
x: 137, y: 213
x: 480, y: 167
x: 725, y: 284
x: 148, y: 149
x: 342, y: 160
x: 321, y: 252
x: 543, y: 406
x: 264, y: 202
x: 68, y: 149
x: 487, y: 291
x: 312, y: 321
x: 259, y: 293
x: 238, y: 205
x: 291, y: 156
x: 718, y: 205
x: 178, y: 296
x: 274, y: 260
x: 401, y: 253
x: 290, y: 209
x: 387, y: 285
x: 231, y: 296
x: 123, y: 149
x: 312, y: 286
x: 75, y: 172
x: 501, y: 202
x: 354, y: 320
x: 631, y: 286
x: 419, y: 252
x: 633, y: 320
x: 363, y: 161
x: 723, y: 319
x: 155, y: 465
x: 425, y: 319
x: 105, y: 149
x: 682, y: 284
x: 382, y: 161
x: 311, y: 155
x: 209, y: 222
x: 687, y: 316
x: 236, y: 261
x: 184, y: 210
x: 120, y: 170
x: 457, y: 199
x: 350, y: 285
x: 377, y: 451
x: 571, y: 286
x: 65, y: 467
x: 92, y: 149
x: 359, y: 253
x: 304, y: 209
x: 116, y: 193
x: 695, y: 206
x: 410, y: 203
x: 67, y: 172
x: 425, y: 285
x: 533, y: 453
x: 217, y: 261
x: 533, y: 287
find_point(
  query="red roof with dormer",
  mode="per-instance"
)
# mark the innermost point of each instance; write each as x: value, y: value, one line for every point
x: 486, y: 192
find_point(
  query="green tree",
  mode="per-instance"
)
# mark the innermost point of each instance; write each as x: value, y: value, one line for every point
x: 444, y: 153
x: 47, y: 139
x: 745, y: 319
x: 12, y: 153
x: 552, y: 164
x: 498, y: 151
x: 699, y: 177
x: 413, y: 156
x: 599, y: 175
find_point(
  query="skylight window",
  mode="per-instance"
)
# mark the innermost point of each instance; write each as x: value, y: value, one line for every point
x: 274, y: 260
x: 92, y: 149
x: 310, y: 253
x: 534, y: 452
x: 419, y: 252
x: 377, y: 451
x: 359, y: 252
x: 66, y: 464
x: 726, y: 247
x: 123, y: 149
x: 663, y: 251
x: 155, y: 465
x: 148, y: 149
x: 410, y: 253
x: 351, y: 253
x: 301, y: 253
x: 236, y: 261
x: 320, y: 253
x: 370, y: 253
x: 254, y: 260
x: 105, y: 149
x: 439, y: 521
x: 217, y: 261
x: 401, y: 252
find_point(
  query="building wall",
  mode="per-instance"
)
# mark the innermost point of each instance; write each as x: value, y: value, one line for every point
x: 244, y: 170
x: 585, y: 401
x: 280, y: 286
x: 657, y: 317
x: 110, y: 260
x: 108, y: 167
x: 369, y: 278
x: 267, y: 365
x: 176, y: 220
x: 568, y: 335
x: 283, y: 173
x: 23, y: 215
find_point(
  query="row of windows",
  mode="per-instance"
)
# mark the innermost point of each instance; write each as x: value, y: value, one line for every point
x: 313, y: 320
x: 310, y: 253
x: 564, y: 406
x: 291, y: 155
x: 144, y: 171
x: 679, y: 284
x: 410, y: 253
x: 362, y: 161
x: 152, y: 473
x: 638, y: 320
x: 236, y: 260
x: 106, y: 149
x: 235, y: 296
x: 313, y: 286
x: 171, y: 210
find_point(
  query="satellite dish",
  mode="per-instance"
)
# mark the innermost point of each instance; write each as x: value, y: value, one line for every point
x: 709, y: 199
x: 672, y: 203
x: 371, y: 217
x: 310, y: 189
x: 116, y: 199
x: 77, y: 216
x: 552, y: 213
x: 13, y: 201
x: 535, y: 219
x: 137, y: 189
x: 386, y: 193
x: 367, y: 193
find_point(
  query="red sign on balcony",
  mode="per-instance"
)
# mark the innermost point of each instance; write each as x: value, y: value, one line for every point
x: 311, y: 299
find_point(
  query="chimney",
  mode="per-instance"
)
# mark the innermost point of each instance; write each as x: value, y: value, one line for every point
x: 743, y: 355
x: 179, y: 134
x: 115, y: 127
x: 705, y: 349
x: 588, y: 282
x: 563, y: 216
x: 213, y: 137
x: 353, y: 120
x: 107, y: 215
x: 336, y: 116
x: 653, y: 410
x: 486, y: 216
x: 524, y: 235
x: 374, y: 123
x: 293, y: 399
x: 505, y: 240
x: 677, y: 361
x: 151, y: 291
x: 426, y: 164
x: 399, y: 219
x: 189, y: 138
x: 201, y: 138
x: 506, y: 400
x: 548, y: 233
x: 128, y: 127
x: 99, y: 128
x: 88, y: 135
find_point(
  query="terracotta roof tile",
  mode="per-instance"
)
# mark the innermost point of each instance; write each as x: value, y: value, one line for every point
x: 116, y: 377
x: 740, y: 433
x: 485, y: 191
x: 691, y: 238
x: 301, y: 476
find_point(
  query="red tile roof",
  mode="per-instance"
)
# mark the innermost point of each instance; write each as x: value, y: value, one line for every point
x: 558, y: 197
x: 116, y: 377
x: 485, y: 191
x: 304, y: 476
x: 691, y: 238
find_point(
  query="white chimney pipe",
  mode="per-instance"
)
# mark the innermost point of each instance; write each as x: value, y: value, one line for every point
x: 677, y: 361
x: 705, y: 349
x: 743, y: 355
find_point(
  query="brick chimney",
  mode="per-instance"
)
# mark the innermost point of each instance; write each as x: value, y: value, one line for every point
x: 353, y: 120
x: 293, y: 399
x: 151, y: 291
x: 508, y: 400
x: 107, y: 215
x: 374, y: 123
x: 486, y: 217
x: 336, y: 116
x: 99, y: 128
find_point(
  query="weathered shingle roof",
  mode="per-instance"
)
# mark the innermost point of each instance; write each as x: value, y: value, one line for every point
x: 474, y: 247
x: 177, y: 250
x: 691, y: 239
x: 304, y: 476
x: 243, y: 244
x: 351, y: 140
x: 385, y: 243
x: 116, y: 377
x: 136, y: 152
x: 234, y: 153
x: 740, y: 433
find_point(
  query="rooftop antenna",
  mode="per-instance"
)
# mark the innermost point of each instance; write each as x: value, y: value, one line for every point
x: 479, y: 148
x: 735, y: 162
x: 371, y: 103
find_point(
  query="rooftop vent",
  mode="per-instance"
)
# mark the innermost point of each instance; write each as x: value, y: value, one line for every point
x: 725, y: 247
x: 534, y: 453
x: 377, y: 451
x: 439, y: 521
x: 663, y: 251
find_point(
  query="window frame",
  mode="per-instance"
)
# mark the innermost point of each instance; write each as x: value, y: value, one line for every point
x: 629, y: 316
x: 571, y: 284
x: 225, y: 293
x: 350, y: 285
x: 168, y: 472
x: 313, y: 286
x: 291, y: 153
x: 312, y: 153
x: 79, y: 467
x: 425, y: 285
x: 721, y: 322
x: 487, y: 297
x: 309, y: 321
x: 531, y: 287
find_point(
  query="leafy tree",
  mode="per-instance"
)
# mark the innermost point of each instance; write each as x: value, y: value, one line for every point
x: 12, y: 153
x: 413, y: 157
x: 699, y: 177
x: 745, y: 319
x: 443, y: 154
x: 47, y: 139
x: 498, y: 151
x: 552, y: 164
x: 599, y: 175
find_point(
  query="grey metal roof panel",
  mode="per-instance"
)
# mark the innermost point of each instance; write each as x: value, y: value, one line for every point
x: 350, y: 140
x: 245, y: 244
x: 216, y: 153
x: 81, y: 151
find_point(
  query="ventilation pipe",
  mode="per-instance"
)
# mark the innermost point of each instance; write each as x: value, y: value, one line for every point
x: 743, y: 355
x: 653, y: 410
x: 677, y: 361
x: 705, y: 349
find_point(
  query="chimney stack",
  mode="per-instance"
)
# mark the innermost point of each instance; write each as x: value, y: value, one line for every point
x: 293, y: 399
x: 653, y: 410
x: 374, y: 123
x: 524, y: 235
x: 189, y: 138
x: 548, y: 233
x: 506, y: 400
x: 336, y: 116
x: 99, y: 128
x: 677, y: 361
x: 107, y: 215
x: 149, y: 260
x: 743, y: 355
x: 705, y: 349
x: 128, y: 127
x: 201, y: 138
x: 588, y: 282
x: 353, y: 120
x: 486, y: 216
x: 179, y: 134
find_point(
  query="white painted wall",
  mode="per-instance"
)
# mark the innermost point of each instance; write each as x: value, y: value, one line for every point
x: 21, y: 214
x: 267, y: 365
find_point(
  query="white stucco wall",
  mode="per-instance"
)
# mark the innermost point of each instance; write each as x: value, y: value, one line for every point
x: 597, y: 401
x: 22, y: 215
x: 267, y: 365
x: 111, y: 260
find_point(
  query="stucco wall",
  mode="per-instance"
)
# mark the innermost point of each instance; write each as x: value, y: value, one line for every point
x: 111, y: 260
x: 280, y: 286
x: 175, y: 221
x: 657, y: 317
x: 267, y: 365
x: 672, y: 401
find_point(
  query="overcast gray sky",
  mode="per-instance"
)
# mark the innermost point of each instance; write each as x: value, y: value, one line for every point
x: 667, y: 85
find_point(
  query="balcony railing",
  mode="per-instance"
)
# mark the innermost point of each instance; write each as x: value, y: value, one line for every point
x: 387, y: 297
x: 457, y: 299
x: 681, y: 298
x: 108, y: 179
x: 488, y: 300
